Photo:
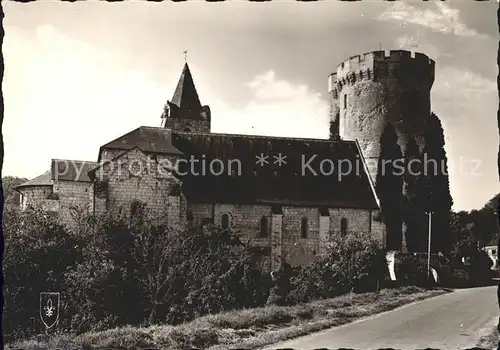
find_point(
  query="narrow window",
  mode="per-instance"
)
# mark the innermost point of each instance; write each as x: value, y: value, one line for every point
x: 224, y: 221
x: 136, y: 208
x: 263, y: 226
x: 343, y: 226
x: 189, y: 215
x: 304, y: 228
x: 345, y: 101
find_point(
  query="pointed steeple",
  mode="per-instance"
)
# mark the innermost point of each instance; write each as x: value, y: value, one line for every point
x: 185, y: 95
x: 185, y: 111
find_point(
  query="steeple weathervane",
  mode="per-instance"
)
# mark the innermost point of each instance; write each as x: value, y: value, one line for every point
x: 185, y: 55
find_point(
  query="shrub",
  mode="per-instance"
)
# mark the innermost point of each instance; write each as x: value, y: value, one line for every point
x: 113, y: 271
x: 351, y: 262
x: 38, y: 251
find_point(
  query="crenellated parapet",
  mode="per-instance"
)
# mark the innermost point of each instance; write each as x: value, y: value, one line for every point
x: 404, y: 66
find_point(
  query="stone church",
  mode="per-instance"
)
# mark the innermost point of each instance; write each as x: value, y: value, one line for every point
x: 287, y: 195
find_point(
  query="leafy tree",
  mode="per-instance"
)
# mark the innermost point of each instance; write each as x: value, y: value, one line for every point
x: 38, y: 250
x: 10, y: 196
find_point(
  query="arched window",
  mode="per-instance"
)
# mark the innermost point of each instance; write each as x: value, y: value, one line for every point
x: 187, y: 130
x: 343, y: 226
x: 224, y: 220
x: 189, y: 215
x: 303, y: 227
x: 263, y: 226
x: 136, y: 208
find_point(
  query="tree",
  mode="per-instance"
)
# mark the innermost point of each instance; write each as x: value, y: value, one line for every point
x: 413, y: 212
x: 10, y: 196
x: 439, y: 199
x: 389, y: 185
x: 38, y: 251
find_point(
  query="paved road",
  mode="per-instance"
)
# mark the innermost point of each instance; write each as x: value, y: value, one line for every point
x: 451, y: 321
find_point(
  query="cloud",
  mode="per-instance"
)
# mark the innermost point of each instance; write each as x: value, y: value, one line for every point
x: 276, y: 108
x: 64, y: 98
x: 463, y: 88
x: 443, y: 19
x: 415, y: 43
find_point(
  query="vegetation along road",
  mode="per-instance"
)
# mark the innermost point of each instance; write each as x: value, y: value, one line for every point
x: 449, y: 321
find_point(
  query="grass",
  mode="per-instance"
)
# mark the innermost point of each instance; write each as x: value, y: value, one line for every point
x: 489, y: 339
x: 249, y: 329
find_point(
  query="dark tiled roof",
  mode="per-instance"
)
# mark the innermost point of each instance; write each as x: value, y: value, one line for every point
x: 185, y: 95
x: 71, y: 170
x: 289, y: 183
x: 41, y: 180
x: 148, y: 139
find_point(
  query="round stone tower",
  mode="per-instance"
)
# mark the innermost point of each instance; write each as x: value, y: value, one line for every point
x: 378, y: 88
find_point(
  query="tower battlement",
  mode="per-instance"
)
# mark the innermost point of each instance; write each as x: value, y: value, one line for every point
x: 380, y: 65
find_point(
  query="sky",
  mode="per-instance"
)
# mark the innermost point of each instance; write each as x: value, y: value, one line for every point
x: 78, y: 75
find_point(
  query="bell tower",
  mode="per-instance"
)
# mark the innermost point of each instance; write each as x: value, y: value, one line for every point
x: 184, y: 111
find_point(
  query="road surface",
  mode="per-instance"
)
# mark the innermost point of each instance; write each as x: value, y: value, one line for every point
x: 450, y: 321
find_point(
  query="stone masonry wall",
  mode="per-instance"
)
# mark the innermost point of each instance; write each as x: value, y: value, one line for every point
x: 202, y: 126
x: 357, y: 220
x: 284, y: 230
x: 72, y: 194
x: 110, y: 153
x: 135, y: 176
x: 246, y: 219
x: 367, y: 91
x: 37, y: 196
x: 295, y: 249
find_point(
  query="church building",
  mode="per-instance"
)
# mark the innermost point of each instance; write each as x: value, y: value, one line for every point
x: 285, y: 195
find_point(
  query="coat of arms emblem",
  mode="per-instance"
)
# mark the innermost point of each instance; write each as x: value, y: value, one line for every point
x: 49, y: 309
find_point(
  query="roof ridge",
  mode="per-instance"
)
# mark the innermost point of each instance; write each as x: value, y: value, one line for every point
x: 248, y: 135
x: 74, y: 160
x: 32, y: 182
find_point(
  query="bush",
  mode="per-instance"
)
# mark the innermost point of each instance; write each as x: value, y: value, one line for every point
x: 112, y: 271
x: 38, y: 251
x: 354, y: 262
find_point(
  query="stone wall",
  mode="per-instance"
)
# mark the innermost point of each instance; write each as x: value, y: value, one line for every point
x: 201, y: 126
x: 39, y: 196
x: 72, y: 194
x: 284, y: 235
x: 110, y: 153
x: 135, y: 176
x: 356, y: 220
x: 367, y: 91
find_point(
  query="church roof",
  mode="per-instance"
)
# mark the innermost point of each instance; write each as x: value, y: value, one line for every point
x: 62, y: 169
x: 248, y: 182
x: 244, y: 180
x: 148, y: 139
x: 71, y: 170
x: 41, y: 180
x: 185, y: 95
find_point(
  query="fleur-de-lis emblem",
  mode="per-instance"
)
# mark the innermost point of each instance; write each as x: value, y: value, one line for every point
x: 49, y: 308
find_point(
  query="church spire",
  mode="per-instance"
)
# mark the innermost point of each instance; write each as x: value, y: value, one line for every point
x: 185, y: 111
x: 185, y: 96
